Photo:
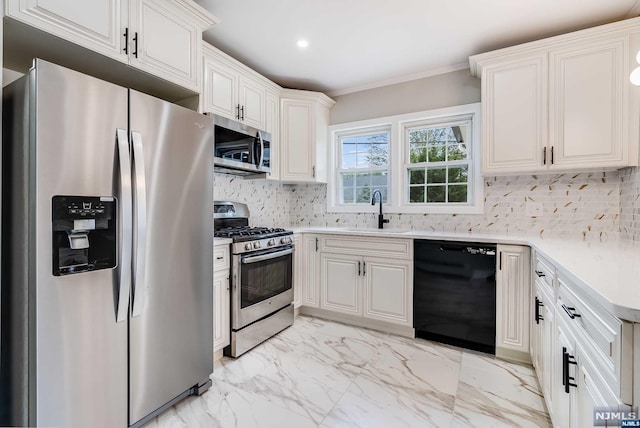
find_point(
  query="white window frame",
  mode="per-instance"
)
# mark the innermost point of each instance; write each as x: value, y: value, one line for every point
x: 398, y: 190
x: 339, y: 170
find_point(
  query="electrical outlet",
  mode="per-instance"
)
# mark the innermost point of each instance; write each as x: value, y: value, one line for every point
x: 534, y: 209
x: 318, y: 208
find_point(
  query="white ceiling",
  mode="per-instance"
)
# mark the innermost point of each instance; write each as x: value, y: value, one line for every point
x: 360, y: 44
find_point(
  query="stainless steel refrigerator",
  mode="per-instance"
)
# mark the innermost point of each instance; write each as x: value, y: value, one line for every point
x: 106, y: 310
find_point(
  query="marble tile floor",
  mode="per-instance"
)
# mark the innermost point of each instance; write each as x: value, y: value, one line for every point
x: 324, y: 374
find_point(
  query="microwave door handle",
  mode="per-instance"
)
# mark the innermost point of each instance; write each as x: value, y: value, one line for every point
x: 124, y: 287
x: 141, y: 225
x: 261, y: 149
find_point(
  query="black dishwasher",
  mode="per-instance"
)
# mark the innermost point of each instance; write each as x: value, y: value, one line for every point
x: 454, y: 293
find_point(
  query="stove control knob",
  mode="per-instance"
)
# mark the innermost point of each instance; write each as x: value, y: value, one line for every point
x: 271, y: 243
x: 247, y: 246
x: 256, y: 245
x: 283, y: 241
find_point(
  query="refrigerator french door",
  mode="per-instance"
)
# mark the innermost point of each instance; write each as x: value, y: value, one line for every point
x: 88, y: 165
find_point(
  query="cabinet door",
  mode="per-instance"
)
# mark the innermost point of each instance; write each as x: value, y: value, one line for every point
x: 97, y: 25
x: 514, y: 108
x: 311, y: 278
x: 513, y: 278
x: 340, y: 283
x: 536, y: 331
x: 297, y: 147
x: 591, y: 391
x: 252, y: 102
x: 388, y: 287
x: 167, y: 43
x: 272, y: 126
x: 220, y: 88
x: 547, y: 350
x: 589, y: 86
x: 221, y: 325
x: 298, y: 269
x: 563, y: 401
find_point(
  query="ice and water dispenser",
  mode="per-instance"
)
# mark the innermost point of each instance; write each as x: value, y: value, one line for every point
x: 84, y: 234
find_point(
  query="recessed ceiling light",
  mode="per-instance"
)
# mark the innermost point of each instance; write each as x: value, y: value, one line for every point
x: 302, y: 43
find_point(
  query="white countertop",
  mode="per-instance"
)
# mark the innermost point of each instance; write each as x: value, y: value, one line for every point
x: 607, y: 272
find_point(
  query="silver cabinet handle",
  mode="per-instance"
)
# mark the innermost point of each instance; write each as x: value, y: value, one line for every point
x: 268, y: 256
x: 141, y: 225
x: 126, y: 215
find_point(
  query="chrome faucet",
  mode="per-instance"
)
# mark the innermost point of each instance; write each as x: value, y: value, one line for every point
x: 381, y: 219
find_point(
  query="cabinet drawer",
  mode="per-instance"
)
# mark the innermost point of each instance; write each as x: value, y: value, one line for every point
x: 220, y: 257
x: 380, y: 247
x: 600, y: 330
x: 543, y: 273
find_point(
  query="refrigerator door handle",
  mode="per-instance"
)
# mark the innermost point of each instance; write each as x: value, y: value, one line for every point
x: 141, y: 225
x: 122, y: 310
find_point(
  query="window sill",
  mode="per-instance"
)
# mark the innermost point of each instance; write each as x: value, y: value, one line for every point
x: 406, y: 209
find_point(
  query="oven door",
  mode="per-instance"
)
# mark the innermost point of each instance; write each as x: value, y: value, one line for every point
x: 262, y: 284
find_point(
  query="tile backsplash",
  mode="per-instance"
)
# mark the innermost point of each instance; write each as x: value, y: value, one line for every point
x: 580, y: 205
x: 590, y: 206
x: 630, y: 204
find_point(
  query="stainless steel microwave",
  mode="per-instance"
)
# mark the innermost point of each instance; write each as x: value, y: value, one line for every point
x: 240, y: 149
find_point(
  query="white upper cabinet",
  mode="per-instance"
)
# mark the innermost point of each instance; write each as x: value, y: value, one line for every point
x: 563, y: 103
x: 272, y: 126
x: 514, y: 98
x: 304, y: 122
x: 233, y: 90
x: 165, y: 40
x: 97, y: 24
x: 162, y: 38
x: 588, y: 93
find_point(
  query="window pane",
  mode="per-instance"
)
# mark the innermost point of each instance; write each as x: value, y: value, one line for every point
x: 363, y: 194
x: 416, y: 176
x: 363, y: 179
x: 457, y: 193
x: 378, y: 179
x: 457, y: 152
x: 349, y: 146
x: 418, y: 136
x: 348, y: 195
x: 436, y: 154
x: 349, y: 161
x: 436, y: 193
x: 458, y: 174
x: 417, y: 152
x: 348, y: 180
x: 416, y: 194
x: 376, y: 155
x: 436, y: 175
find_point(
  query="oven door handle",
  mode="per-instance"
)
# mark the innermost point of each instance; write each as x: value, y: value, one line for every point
x: 255, y: 259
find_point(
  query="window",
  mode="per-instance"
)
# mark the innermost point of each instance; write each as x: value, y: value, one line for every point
x: 423, y: 162
x: 439, y: 163
x: 363, y: 165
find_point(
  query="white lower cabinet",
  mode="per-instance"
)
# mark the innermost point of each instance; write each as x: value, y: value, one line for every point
x: 221, y: 296
x: 361, y: 278
x: 340, y: 283
x: 513, y: 278
x: 310, y: 278
x: 581, y: 353
x: 221, y: 310
x: 298, y: 269
x: 386, y: 294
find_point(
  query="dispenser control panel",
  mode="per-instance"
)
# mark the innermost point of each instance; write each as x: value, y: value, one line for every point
x: 84, y: 232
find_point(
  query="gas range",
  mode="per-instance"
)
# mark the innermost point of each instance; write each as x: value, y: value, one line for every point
x: 231, y: 220
x: 261, y: 280
x: 246, y: 239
